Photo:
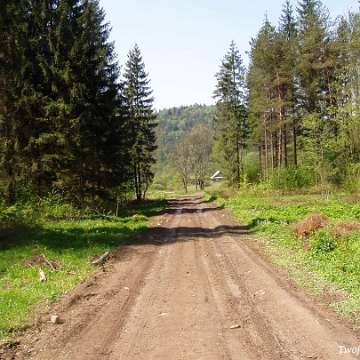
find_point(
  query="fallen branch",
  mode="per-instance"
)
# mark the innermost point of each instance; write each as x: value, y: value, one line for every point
x: 101, y: 258
x: 48, y: 262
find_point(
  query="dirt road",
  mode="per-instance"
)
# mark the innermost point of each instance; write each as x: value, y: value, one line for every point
x: 191, y: 287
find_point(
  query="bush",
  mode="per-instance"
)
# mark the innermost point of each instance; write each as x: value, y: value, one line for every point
x: 322, y: 242
x: 251, y: 172
x: 292, y: 178
x: 156, y: 187
x: 352, y: 179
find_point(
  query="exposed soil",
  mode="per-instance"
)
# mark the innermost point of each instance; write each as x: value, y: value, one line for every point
x: 193, y: 286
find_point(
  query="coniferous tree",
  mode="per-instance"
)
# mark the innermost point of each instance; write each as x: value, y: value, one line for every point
x: 12, y: 21
x: 348, y: 98
x: 263, y: 96
x: 272, y: 96
x: 95, y: 122
x: 231, y: 114
x: 141, y: 121
x: 62, y: 120
x: 35, y: 129
x: 315, y: 93
x: 287, y: 40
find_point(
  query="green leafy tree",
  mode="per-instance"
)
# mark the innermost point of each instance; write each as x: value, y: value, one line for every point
x: 200, y: 145
x: 141, y: 121
x: 180, y: 160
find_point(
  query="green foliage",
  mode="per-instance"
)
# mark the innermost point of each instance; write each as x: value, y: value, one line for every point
x: 192, y: 156
x: 251, y: 168
x: 292, y: 178
x: 303, y: 83
x: 61, y: 103
x: 156, y: 187
x: 352, y: 178
x: 322, y: 242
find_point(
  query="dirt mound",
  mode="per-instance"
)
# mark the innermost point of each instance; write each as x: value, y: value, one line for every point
x: 342, y: 228
x: 312, y: 223
x: 9, y: 350
x: 42, y: 261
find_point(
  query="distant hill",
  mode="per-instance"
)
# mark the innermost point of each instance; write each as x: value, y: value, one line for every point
x: 174, y: 124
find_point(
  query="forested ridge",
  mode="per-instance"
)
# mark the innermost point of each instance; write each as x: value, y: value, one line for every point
x: 176, y: 126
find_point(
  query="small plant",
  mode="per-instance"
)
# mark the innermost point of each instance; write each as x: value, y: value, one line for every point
x: 322, y: 242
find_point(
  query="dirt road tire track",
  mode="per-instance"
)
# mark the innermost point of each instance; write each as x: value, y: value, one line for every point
x: 191, y: 287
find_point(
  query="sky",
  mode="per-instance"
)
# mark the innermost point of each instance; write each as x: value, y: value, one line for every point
x: 182, y: 42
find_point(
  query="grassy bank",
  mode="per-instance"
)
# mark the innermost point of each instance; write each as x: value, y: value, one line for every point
x: 60, y: 240
x: 327, y: 258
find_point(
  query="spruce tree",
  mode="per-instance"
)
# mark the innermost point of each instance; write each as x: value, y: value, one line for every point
x: 264, y: 93
x: 348, y: 98
x: 62, y: 121
x: 231, y: 114
x: 12, y: 20
x: 141, y: 121
x: 35, y: 125
x: 315, y: 96
x: 95, y: 121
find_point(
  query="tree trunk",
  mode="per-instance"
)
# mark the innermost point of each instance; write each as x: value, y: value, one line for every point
x: 295, y: 143
x: 237, y: 161
x: 266, y: 164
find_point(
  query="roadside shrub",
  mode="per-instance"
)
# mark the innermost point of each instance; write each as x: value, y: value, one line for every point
x: 352, y: 179
x: 292, y: 178
x: 322, y: 242
x: 251, y: 171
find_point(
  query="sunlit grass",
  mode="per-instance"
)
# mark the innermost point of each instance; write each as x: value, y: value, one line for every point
x: 68, y: 245
x: 316, y: 262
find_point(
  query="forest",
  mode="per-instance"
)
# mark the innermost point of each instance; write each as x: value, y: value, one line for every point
x: 291, y: 119
x: 74, y: 125
x: 69, y: 124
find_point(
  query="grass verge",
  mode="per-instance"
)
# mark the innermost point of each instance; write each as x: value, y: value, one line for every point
x: 326, y: 261
x: 67, y: 244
